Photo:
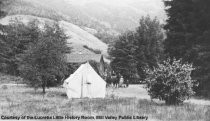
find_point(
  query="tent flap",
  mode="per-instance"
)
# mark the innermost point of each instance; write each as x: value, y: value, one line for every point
x: 85, y: 82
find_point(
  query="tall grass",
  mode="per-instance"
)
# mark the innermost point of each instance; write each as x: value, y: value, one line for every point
x: 25, y: 101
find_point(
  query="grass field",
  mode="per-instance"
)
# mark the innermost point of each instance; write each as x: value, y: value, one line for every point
x: 20, y: 100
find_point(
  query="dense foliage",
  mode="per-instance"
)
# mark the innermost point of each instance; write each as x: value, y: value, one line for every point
x: 16, y: 37
x: 96, y: 51
x: 106, y: 36
x: 134, y: 50
x: 123, y: 53
x: 2, y: 13
x: 179, y: 28
x: 43, y: 62
x: 188, y: 37
x: 2, y: 42
x: 170, y: 81
x: 35, y: 52
x: 149, y: 44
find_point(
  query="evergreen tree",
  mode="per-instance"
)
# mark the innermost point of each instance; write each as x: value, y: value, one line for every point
x: 188, y: 37
x: 202, y: 45
x: 179, y: 29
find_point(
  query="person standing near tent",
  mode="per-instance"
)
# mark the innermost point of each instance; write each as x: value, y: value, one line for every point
x: 115, y: 80
x: 126, y: 82
x: 121, y: 81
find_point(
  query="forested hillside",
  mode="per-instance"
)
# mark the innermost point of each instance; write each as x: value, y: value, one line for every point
x: 106, y: 17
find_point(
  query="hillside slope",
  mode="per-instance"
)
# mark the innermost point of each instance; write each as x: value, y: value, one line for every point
x: 77, y: 35
x: 82, y: 19
x: 102, y: 15
x: 56, y: 10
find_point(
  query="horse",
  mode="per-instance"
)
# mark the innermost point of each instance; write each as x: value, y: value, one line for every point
x: 108, y: 81
x: 116, y: 82
x: 112, y: 80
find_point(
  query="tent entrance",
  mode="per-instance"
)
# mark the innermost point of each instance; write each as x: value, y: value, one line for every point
x: 85, y: 82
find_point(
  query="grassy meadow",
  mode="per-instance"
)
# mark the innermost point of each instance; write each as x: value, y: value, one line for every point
x: 25, y: 101
x: 19, y: 100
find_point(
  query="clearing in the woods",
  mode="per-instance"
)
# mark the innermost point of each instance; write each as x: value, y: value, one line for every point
x: 18, y: 100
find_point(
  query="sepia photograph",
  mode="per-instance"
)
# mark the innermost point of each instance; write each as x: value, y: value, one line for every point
x: 105, y: 60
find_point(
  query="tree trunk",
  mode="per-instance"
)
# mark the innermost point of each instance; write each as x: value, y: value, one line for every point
x: 43, y: 86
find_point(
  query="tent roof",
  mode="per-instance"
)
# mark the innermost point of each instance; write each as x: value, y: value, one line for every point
x: 85, y: 82
x: 84, y: 67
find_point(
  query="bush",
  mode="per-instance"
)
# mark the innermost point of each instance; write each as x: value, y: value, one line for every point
x: 96, y: 51
x: 170, y: 81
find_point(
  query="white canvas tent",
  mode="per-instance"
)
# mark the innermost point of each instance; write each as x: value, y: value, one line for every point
x: 85, y: 82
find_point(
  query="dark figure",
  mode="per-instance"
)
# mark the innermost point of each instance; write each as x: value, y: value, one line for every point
x: 109, y: 81
x: 116, y: 80
x: 127, y: 83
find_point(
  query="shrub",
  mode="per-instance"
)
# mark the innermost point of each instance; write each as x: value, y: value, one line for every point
x: 96, y: 51
x: 170, y: 81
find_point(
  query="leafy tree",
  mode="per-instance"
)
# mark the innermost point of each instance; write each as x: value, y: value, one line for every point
x: 16, y: 38
x: 44, y: 58
x: 136, y: 50
x: 170, y: 81
x: 149, y: 37
x: 123, y: 54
